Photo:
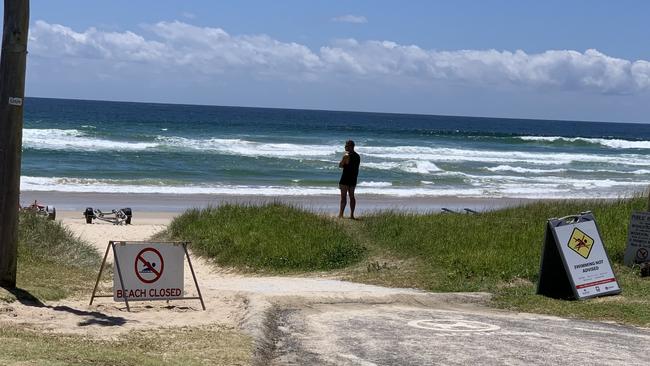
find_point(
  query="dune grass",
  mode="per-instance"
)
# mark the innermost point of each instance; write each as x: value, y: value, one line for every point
x: 268, y: 237
x: 52, y: 262
x: 497, y: 252
x: 500, y: 252
x: 478, y: 252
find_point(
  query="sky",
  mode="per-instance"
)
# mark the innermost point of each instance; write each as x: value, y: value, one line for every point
x: 574, y: 60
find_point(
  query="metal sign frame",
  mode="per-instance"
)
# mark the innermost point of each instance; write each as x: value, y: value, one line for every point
x: 555, y: 279
x: 113, y: 243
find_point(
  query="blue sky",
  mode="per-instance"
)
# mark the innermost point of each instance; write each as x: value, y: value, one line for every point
x: 584, y: 60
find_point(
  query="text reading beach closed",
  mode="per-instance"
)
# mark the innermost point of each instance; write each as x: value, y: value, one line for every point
x: 149, y: 272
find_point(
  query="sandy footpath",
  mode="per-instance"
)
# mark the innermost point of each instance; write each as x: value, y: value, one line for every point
x: 106, y: 318
x: 231, y: 300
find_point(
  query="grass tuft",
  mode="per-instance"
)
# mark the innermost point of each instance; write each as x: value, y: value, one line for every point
x: 269, y: 237
x: 52, y: 262
x: 500, y: 252
x: 479, y: 252
x: 45, y: 240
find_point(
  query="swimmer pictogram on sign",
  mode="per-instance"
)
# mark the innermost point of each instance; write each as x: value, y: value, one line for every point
x: 149, y: 265
x: 581, y: 243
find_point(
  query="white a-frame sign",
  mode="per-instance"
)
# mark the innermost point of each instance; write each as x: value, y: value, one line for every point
x: 574, y: 262
x: 148, y: 271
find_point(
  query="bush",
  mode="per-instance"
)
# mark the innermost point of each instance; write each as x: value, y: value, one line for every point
x: 271, y: 236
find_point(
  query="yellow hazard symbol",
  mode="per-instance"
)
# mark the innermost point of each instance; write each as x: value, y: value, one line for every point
x: 581, y: 243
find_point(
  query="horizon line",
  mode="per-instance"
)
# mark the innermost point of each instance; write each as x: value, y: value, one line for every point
x: 336, y: 111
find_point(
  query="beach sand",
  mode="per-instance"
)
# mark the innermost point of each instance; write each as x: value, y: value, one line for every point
x: 176, y: 203
x: 106, y: 318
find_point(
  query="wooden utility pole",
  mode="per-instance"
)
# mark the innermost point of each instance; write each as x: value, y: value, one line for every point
x: 12, y: 93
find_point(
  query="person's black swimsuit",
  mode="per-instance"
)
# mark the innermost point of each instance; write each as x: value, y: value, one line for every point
x: 351, y: 170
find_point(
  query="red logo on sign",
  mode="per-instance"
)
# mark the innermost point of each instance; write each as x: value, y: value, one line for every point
x: 149, y: 265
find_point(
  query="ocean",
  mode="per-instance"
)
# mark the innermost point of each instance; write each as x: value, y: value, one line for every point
x: 118, y: 147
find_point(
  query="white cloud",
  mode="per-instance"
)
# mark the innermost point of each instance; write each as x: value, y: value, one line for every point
x: 57, y: 41
x: 355, y: 19
x: 208, y: 50
x: 188, y: 15
x: 185, y: 47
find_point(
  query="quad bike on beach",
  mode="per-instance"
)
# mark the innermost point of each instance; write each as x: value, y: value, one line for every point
x: 116, y: 217
x: 46, y: 211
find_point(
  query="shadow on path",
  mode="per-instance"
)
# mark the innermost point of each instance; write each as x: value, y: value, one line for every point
x: 95, y: 317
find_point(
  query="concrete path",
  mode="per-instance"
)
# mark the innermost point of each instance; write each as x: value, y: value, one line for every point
x: 392, y: 334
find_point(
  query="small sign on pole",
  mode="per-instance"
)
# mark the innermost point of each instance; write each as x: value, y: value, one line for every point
x: 148, y: 271
x: 574, y: 262
x: 638, y: 239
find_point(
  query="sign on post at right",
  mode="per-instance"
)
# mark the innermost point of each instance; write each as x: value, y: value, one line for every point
x: 638, y: 239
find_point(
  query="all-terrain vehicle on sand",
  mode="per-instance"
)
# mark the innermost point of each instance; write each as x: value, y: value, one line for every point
x: 42, y: 210
x: 116, y: 217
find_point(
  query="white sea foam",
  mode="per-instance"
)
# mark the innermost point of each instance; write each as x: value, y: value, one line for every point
x: 409, y: 166
x: 62, y: 184
x: 411, y: 159
x: 250, y: 148
x: 374, y: 184
x: 75, y: 140
x: 508, y: 168
x: 575, y: 184
x: 517, y: 189
x: 611, y: 143
x: 452, y: 155
x: 420, y: 167
x: 612, y: 171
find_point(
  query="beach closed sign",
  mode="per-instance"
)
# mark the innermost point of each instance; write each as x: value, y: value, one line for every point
x: 148, y: 271
x: 638, y: 239
x: 574, y: 261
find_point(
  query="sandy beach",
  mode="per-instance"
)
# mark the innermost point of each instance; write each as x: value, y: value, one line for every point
x: 177, y: 203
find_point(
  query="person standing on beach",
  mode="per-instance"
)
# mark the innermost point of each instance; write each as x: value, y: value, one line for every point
x: 348, y: 182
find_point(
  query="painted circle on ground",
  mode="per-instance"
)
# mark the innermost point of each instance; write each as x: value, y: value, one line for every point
x: 453, y: 325
x: 642, y: 254
x: 149, y: 265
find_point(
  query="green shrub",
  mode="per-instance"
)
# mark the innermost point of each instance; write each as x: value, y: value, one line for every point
x: 271, y: 237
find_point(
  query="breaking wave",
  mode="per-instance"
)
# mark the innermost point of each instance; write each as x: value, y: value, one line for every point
x: 609, y: 143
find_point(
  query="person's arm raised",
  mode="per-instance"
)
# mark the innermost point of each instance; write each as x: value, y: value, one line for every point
x: 345, y: 160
